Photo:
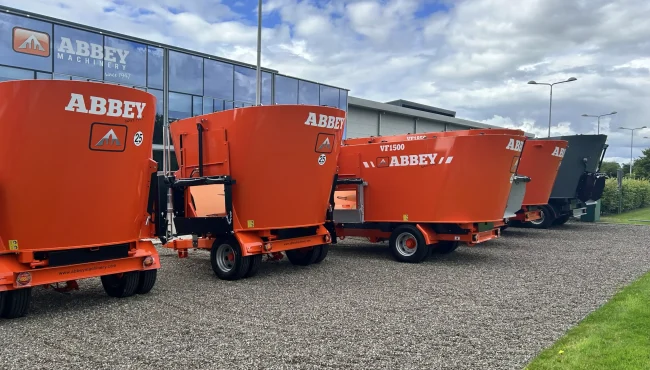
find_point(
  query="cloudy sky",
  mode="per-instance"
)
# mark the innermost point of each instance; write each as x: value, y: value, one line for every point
x: 471, y: 56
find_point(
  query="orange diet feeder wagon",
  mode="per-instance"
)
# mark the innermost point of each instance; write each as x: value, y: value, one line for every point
x: 92, y: 143
x: 253, y: 181
x: 428, y: 192
x: 540, y: 161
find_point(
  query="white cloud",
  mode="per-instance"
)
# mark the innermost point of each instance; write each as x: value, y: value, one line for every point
x: 472, y: 56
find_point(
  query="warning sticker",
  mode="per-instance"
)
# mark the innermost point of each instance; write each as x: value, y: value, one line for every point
x: 138, y: 138
x: 13, y: 245
x: 251, y: 223
x: 322, y: 159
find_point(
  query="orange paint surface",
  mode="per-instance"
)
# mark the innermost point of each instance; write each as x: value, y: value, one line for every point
x: 441, y: 177
x: 283, y: 162
x: 69, y: 178
x: 540, y: 161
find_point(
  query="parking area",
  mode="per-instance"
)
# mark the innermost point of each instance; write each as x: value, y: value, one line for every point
x: 492, y: 306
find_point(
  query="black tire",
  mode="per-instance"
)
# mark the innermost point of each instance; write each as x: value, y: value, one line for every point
x: 146, y: 281
x: 220, y: 260
x: 256, y: 262
x: 121, y: 286
x: 446, y: 246
x: 2, y: 302
x: 324, y: 249
x: 16, y: 303
x: 303, y: 256
x: 548, y: 217
x: 415, y: 254
x: 562, y: 220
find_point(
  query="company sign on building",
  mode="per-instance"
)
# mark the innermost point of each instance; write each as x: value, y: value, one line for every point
x: 34, y: 44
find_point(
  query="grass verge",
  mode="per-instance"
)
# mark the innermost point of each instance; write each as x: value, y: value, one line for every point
x: 635, y: 217
x: 616, y: 336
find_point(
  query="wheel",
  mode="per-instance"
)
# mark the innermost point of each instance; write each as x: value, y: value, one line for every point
x: 256, y: 261
x: 323, y: 253
x: 121, y: 285
x: 227, y: 260
x: 407, y: 244
x: 16, y: 303
x: 304, y: 256
x: 146, y: 281
x: 546, y: 220
x: 2, y: 302
x: 446, y: 246
x: 562, y: 220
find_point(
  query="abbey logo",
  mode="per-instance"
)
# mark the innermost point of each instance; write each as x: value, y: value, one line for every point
x: 558, y: 152
x: 105, y: 107
x: 324, y: 143
x: 324, y: 121
x: 79, y: 51
x: 106, y: 137
x: 515, y: 145
x: 31, y: 42
x: 409, y: 160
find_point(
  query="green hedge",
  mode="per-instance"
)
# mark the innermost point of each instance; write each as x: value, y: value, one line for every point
x: 635, y: 193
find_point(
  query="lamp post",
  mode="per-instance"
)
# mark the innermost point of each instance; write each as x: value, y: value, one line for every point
x: 602, y: 115
x: 631, y: 141
x: 258, y: 92
x: 550, y: 105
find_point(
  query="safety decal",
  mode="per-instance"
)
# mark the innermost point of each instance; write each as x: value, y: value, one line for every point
x: 13, y: 245
x: 321, y: 159
x: 251, y: 223
x: 138, y: 138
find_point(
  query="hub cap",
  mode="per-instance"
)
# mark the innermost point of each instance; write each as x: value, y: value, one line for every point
x: 406, y: 244
x: 225, y: 257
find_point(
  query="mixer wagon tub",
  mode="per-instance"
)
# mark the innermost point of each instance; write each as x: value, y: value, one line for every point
x: 92, y: 145
x: 237, y: 169
x: 428, y: 192
x: 578, y: 182
x: 540, y: 161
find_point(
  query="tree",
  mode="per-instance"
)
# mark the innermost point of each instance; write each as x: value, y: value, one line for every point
x: 610, y: 168
x: 641, y: 165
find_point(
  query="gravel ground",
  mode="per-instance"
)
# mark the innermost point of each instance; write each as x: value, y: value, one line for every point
x: 492, y: 306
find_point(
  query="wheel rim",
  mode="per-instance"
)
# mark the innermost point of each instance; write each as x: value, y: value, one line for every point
x: 406, y: 244
x: 225, y: 257
x: 540, y: 220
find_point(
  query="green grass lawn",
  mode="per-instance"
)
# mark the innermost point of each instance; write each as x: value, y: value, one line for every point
x: 616, y: 336
x: 632, y: 217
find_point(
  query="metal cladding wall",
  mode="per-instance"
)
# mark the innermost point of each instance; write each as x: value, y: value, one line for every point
x: 573, y: 165
x: 370, y: 118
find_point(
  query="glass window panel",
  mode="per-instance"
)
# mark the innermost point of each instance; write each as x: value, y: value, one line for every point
x: 208, y: 106
x: 228, y: 105
x: 158, y: 157
x: 125, y: 62
x: 61, y: 77
x: 43, y: 76
x: 180, y: 105
x: 218, y: 105
x: 154, y: 67
x: 9, y: 74
x: 245, y: 81
x: 267, y: 87
x: 218, y: 79
x: 25, y: 42
x: 197, y: 106
x: 158, y: 128
x: 286, y: 90
x: 329, y: 96
x: 307, y: 93
x: 185, y: 73
x: 343, y: 100
x: 78, y: 53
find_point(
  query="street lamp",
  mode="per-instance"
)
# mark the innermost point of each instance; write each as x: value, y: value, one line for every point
x: 550, y: 105
x: 258, y: 92
x: 631, y: 142
x: 602, y: 115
